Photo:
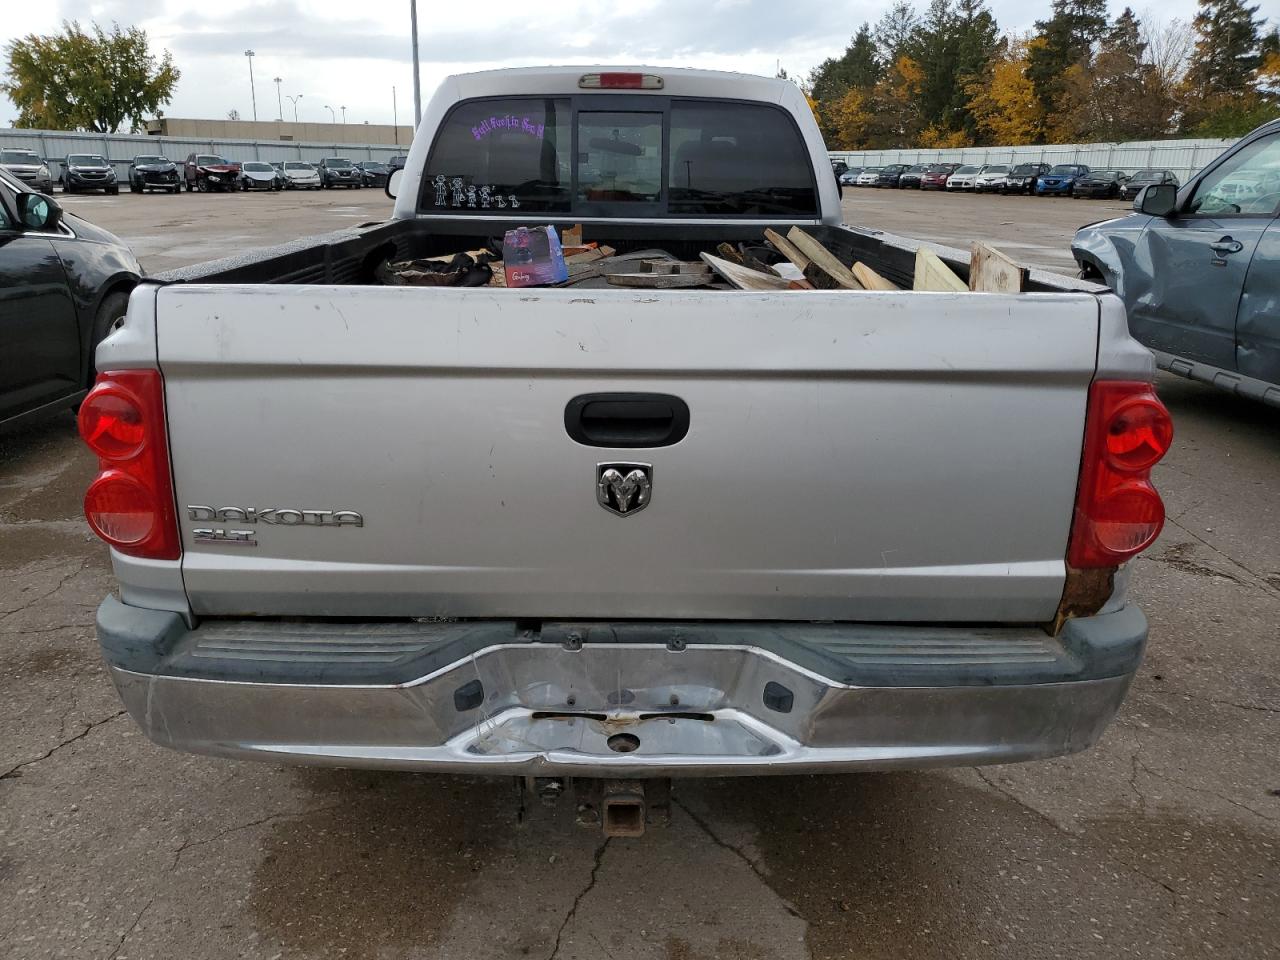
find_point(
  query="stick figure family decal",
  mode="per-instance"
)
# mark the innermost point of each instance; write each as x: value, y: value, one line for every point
x: 457, y: 193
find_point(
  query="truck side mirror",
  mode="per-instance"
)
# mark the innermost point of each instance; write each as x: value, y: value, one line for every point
x: 38, y: 212
x: 393, y: 182
x: 1156, y: 200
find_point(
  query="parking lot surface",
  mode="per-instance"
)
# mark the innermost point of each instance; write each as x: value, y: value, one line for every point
x: 1161, y: 842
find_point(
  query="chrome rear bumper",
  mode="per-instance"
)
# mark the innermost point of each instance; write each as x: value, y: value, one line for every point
x: 631, y: 701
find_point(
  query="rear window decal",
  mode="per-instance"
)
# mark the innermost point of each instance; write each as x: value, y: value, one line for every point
x: 456, y: 193
x: 523, y: 124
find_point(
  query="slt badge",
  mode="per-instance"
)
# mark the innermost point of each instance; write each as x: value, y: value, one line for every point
x: 624, y: 488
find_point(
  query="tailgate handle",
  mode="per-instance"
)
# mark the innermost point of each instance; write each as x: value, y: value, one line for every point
x: 627, y: 419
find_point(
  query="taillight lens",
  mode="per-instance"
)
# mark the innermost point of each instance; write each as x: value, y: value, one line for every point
x: 620, y: 81
x: 130, y: 502
x: 1118, y: 512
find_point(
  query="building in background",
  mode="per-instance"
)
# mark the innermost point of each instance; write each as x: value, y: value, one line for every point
x: 362, y: 133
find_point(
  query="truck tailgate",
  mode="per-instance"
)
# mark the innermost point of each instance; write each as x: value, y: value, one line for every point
x: 898, y: 456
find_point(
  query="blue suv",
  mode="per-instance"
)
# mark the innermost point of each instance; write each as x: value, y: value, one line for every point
x: 1061, y: 179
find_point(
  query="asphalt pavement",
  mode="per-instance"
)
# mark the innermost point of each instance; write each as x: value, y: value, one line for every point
x: 1161, y: 842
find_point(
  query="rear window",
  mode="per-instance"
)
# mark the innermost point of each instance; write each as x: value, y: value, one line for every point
x: 650, y: 156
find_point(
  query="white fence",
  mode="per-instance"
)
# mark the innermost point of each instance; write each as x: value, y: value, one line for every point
x: 55, y: 145
x: 1183, y: 157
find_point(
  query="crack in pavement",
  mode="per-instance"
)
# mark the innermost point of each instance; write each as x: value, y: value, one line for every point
x: 1157, y: 692
x: 132, y: 927
x: 189, y: 844
x: 1010, y: 795
x: 45, y: 596
x: 1212, y: 793
x: 1260, y: 582
x: 573, y: 909
x: 725, y: 845
x: 12, y: 772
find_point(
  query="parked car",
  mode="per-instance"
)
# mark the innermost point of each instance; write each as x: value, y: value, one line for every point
x: 1107, y: 184
x: 82, y: 172
x: 936, y: 176
x: 281, y: 179
x: 890, y: 175
x: 911, y: 177
x: 208, y: 172
x: 397, y: 163
x: 912, y: 555
x: 1022, y: 178
x: 300, y: 175
x: 153, y: 173
x: 1133, y: 186
x: 964, y: 178
x: 839, y: 168
x: 338, y: 172
x: 1199, y: 269
x: 66, y: 283
x: 1061, y: 179
x: 992, y: 179
x: 373, y: 173
x: 28, y: 167
x: 868, y: 177
x: 258, y: 175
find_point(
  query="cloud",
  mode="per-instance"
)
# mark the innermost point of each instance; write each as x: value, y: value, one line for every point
x: 665, y: 29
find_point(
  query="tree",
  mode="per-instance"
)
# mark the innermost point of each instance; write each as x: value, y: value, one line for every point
x: 1225, y: 94
x: 896, y: 32
x: 1227, y: 52
x: 829, y: 83
x: 78, y: 80
x: 233, y: 114
x: 858, y: 68
x: 1068, y: 38
x: 1121, y: 96
x: 1003, y: 102
x: 896, y: 117
x: 849, y: 120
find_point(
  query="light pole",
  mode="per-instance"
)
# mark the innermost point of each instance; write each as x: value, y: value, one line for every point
x: 344, y: 113
x: 417, y: 89
x: 395, y: 118
x: 333, y: 115
x: 294, y: 101
x: 279, y: 103
x: 252, y: 92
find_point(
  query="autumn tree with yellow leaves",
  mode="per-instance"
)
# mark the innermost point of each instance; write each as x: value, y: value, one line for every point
x: 943, y: 77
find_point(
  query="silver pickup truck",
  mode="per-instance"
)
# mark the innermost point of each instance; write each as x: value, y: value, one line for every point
x: 614, y: 533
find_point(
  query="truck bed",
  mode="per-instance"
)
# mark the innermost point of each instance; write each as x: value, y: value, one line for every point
x: 351, y: 256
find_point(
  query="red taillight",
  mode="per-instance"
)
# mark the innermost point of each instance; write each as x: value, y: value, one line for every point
x: 1118, y: 512
x: 620, y: 81
x: 130, y: 502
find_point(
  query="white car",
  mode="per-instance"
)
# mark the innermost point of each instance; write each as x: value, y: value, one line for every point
x: 964, y: 178
x: 256, y: 175
x: 868, y: 177
x: 300, y: 175
x: 994, y: 178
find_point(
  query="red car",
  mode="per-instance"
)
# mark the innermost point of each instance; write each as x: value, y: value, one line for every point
x: 205, y: 172
x: 935, y: 178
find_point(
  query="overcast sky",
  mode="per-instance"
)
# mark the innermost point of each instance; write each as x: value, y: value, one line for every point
x: 352, y: 52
